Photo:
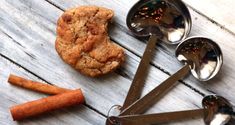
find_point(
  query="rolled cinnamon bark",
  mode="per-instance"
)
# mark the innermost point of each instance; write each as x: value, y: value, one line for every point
x: 37, y: 107
x: 36, y: 86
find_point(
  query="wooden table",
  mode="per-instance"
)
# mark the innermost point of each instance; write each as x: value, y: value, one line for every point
x: 27, y: 38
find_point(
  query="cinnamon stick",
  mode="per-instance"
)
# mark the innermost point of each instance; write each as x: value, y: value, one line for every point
x: 36, y: 86
x: 33, y: 108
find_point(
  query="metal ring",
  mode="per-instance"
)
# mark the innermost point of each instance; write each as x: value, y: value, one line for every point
x: 108, y: 115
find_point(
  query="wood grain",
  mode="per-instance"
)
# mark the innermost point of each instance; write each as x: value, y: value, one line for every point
x: 221, y: 84
x: 11, y: 95
x: 220, y: 11
x: 27, y: 28
x: 50, y: 67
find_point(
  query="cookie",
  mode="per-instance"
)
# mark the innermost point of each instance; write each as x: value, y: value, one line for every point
x: 82, y: 40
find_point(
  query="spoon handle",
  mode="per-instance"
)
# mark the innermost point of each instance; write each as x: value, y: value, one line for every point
x: 134, y: 92
x: 155, y: 118
x: 142, y: 104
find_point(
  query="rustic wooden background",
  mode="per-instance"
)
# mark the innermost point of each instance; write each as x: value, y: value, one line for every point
x: 27, y: 36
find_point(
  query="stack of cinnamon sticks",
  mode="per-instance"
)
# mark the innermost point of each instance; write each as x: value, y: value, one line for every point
x: 61, y: 98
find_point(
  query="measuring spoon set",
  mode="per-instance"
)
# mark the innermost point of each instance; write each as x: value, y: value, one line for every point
x: 170, y: 21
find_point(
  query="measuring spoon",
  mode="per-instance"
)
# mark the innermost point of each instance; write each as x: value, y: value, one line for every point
x: 219, y: 110
x: 162, y: 20
x: 216, y: 111
x: 201, y: 55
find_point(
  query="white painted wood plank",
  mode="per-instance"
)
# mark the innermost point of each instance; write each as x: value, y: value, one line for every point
x: 178, y: 99
x: 222, y: 84
x: 199, y: 29
x: 120, y: 33
x: 46, y: 63
x: 220, y: 11
x: 11, y: 95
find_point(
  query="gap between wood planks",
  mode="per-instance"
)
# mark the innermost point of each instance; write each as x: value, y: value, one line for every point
x: 152, y: 64
x: 211, y: 20
x: 156, y: 66
x: 162, y: 47
x: 40, y: 78
x: 189, y: 6
x: 139, y: 54
x: 18, y: 39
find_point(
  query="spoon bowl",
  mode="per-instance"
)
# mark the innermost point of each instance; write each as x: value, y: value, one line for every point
x: 168, y: 19
x: 218, y: 110
x: 161, y: 20
x: 203, y: 56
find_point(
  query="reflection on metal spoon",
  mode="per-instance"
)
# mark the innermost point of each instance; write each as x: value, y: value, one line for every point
x: 219, y: 110
x: 165, y: 20
x: 169, y: 18
x: 216, y: 111
x: 196, y: 52
x: 203, y: 56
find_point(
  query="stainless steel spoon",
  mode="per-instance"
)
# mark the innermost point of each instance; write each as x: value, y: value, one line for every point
x: 201, y: 55
x: 162, y: 20
x: 216, y: 111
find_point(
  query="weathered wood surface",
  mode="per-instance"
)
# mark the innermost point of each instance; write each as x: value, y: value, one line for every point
x: 11, y: 95
x: 220, y: 12
x: 165, y: 53
x: 27, y: 35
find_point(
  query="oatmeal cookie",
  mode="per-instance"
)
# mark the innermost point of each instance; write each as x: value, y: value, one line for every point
x: 83, y: 42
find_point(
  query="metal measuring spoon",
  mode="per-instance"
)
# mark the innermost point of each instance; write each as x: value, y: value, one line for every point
x: 202, y: 55
x: 216, y: 111
x: 198, y: 53
x: 162, y: 20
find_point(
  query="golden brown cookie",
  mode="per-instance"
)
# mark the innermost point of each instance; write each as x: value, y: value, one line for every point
x: 83, y: 42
